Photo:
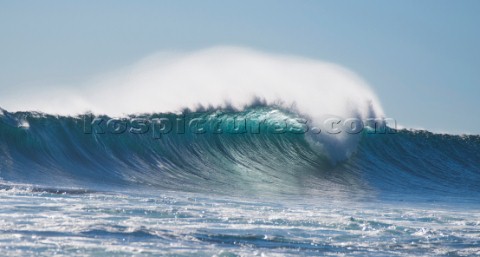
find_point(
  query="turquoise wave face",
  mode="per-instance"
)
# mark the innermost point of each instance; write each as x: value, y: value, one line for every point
x: 262, y: 150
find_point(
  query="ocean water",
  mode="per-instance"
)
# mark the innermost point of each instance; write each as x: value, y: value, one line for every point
x: 68, y: 189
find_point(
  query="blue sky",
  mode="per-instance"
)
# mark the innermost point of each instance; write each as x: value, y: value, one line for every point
x: 422, y: 58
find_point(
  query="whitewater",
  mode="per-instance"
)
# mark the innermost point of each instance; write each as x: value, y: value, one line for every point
x: 70, y: 190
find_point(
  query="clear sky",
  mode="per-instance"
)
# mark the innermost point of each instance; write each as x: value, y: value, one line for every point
x: 422, y: 58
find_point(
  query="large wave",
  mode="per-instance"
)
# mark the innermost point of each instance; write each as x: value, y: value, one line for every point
x: 56, y: 151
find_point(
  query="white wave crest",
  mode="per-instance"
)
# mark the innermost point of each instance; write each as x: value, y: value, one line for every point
x: 219, y: 76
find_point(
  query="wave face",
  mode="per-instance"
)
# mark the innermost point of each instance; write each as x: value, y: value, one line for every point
x: 55, y: 151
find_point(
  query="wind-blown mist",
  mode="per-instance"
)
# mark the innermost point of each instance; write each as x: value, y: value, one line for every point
x: 215, y: 77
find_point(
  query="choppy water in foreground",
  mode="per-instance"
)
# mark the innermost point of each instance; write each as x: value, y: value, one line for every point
x: 33, y: 223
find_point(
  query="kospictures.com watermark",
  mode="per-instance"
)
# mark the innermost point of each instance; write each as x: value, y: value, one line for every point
x: 158, y: 126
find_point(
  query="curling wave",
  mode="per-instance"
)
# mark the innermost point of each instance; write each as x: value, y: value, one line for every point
x: 51, y: 150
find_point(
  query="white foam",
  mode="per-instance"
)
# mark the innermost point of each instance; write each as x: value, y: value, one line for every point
x: 169, y: 82
x: 215, y: 76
